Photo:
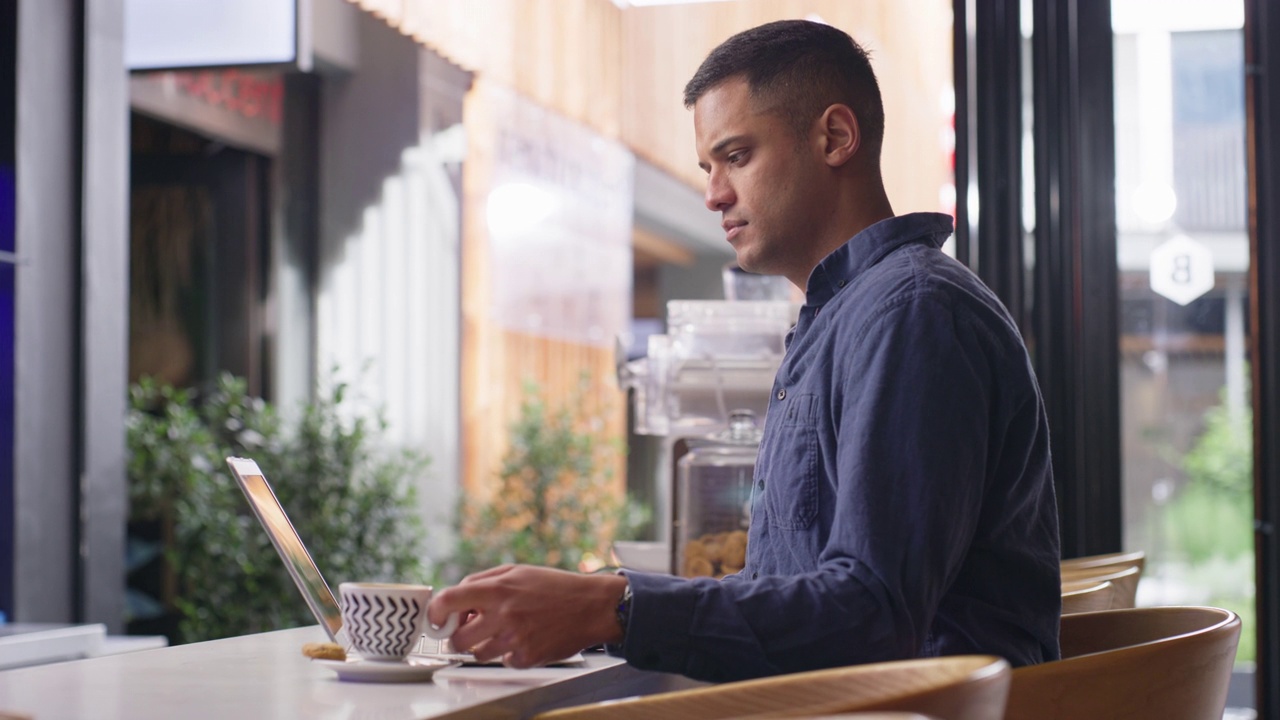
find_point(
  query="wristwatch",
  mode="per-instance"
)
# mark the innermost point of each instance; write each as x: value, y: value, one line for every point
x: 623, y: 610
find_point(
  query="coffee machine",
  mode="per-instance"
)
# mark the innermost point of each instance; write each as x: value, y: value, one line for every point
x: 704, y: 388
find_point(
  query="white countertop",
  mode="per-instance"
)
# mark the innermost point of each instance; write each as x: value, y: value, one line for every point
x: 23, y: 644
x: 266, y: 676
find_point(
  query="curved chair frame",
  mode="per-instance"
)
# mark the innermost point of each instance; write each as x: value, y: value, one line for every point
x: 1087, y: 596
x: 1135, y: 558
x: 867, y: 716
x: 961, y: 687
x: 1172, y: 663
x: 1124, y: 579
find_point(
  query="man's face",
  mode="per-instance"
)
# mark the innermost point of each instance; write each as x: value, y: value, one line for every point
x: 764, y: 181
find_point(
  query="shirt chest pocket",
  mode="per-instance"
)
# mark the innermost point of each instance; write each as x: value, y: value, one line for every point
x: 791, y: 492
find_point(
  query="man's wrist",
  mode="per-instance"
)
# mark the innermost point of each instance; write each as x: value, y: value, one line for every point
x: 623, y: 611
x: 614, y: 590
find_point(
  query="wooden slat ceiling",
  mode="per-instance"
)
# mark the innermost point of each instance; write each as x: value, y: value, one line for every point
x: 621, y: 72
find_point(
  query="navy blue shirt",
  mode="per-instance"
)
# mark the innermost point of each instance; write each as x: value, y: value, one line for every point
x: 903, y: 503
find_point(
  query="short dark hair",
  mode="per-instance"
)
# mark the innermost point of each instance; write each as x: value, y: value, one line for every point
x: 798, y: 68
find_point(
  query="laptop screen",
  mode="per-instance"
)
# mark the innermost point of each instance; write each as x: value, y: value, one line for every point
x: 294, y: 554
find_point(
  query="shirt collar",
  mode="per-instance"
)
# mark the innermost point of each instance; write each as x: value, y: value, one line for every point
x: 865, y: 249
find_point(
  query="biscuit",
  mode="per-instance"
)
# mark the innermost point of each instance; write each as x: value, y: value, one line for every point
x: 698, y: 567
x: 713, y: 545
x: 735, y: 551
x: 324, y: 651
x: 695, y: 549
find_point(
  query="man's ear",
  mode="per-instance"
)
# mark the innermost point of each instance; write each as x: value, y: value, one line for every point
x: 841, y: 135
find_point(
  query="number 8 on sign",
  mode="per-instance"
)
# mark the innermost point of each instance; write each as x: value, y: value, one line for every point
x: 1181, y: 269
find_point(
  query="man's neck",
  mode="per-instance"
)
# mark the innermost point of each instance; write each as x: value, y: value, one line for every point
x: 864, y: 207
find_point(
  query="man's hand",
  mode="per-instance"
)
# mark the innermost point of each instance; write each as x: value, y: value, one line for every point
x: 531, y: 616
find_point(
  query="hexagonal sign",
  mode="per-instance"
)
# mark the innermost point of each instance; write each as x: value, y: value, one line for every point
x: 1181, y: 269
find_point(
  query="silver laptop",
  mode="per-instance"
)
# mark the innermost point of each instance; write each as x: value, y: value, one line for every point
x: 303, y: 569
x: 294, y: 554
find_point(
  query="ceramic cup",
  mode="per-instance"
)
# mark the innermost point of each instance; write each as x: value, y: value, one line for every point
x: 384, y: 620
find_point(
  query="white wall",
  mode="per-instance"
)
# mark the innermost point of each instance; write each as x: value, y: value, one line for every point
x: 387, y: 305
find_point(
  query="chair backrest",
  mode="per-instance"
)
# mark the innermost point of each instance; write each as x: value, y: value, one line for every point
x: 1172, y: 663
x: 960, y: 687
x: 866, y: 716
x: 1087, y: 596
x: 1124, y: 579
x: 1135, y: 558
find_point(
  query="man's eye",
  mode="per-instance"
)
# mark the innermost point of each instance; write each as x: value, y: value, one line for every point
x: 737, y: 158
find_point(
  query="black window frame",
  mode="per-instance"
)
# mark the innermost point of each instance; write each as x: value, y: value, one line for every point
x: 1073, y: 323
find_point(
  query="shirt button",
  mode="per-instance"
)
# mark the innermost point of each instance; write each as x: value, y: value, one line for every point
x: 755, y: 575
x: 782, y: 394
x: 760, y: 483
x: 840, y: 284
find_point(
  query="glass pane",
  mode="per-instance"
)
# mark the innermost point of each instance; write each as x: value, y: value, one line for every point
x: 1183, y: 254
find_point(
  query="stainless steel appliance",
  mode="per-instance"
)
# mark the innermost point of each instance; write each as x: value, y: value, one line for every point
x: 717, y: 360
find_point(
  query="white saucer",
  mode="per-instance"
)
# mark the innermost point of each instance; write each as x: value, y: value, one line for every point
x: 469, y: 659
x: 416, y: 669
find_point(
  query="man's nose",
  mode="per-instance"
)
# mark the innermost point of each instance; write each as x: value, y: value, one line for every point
x: 719, y: 195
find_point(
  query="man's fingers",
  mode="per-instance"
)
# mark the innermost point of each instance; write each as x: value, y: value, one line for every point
x: 523, y: 660
x: 480, y: 629
x: 457, y: 599
x: 492, y: 648
x: 485, y: 653
x: 526, y: 616
x: 485, y: 574
x: 470, y: 595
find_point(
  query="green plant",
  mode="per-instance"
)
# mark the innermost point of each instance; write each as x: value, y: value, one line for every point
x: 1212, y: 516
x: 219, y: 574
x: 553, y: 504
x: 1209, y: 523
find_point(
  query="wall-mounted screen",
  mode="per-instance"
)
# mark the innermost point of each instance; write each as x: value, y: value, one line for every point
x: 172, y: 34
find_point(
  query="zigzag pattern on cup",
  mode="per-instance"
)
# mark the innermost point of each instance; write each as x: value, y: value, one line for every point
x: 382, y: 626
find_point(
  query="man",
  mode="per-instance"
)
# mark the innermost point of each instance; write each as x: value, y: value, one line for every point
x: 904, y: 502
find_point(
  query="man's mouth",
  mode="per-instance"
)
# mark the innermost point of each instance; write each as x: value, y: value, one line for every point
x: 732, y: 228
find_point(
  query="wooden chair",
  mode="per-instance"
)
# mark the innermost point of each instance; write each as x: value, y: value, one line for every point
x: 1172, y: 663
x: 960, y: 687
x: 1087, y: 596
x: 1109, y: 561
x: 867, y: 716
x: 1124, y: 580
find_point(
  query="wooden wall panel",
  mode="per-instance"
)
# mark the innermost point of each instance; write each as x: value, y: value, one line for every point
x: 563, y: 54
x: 484, y: 403
x: 496, y: 362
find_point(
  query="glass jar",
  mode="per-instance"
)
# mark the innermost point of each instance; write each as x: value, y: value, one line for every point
x: 713, y: 500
